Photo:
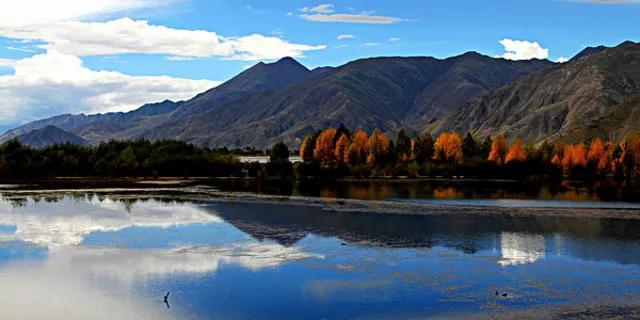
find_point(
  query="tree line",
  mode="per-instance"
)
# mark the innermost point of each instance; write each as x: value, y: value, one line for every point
x: 339, y: 151
x: 116, y: 159
x: 334, y: 153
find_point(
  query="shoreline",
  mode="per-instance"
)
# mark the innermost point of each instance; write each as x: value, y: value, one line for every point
x: 204, y: 194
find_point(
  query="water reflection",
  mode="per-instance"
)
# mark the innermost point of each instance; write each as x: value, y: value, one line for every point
x: 519, y: 239
x: 440, y: 189
x: 115, y: 256
x: 518, y: 248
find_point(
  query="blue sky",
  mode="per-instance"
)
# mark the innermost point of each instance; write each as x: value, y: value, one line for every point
x: 107, y: 55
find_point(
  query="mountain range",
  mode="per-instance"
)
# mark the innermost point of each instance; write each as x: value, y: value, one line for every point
x: 535, y: 99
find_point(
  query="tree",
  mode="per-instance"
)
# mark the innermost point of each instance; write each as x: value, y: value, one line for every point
x: 325, y: 146
x: 378, y: 148
x: 423, y: 148
x: 448, y: 147
x: 341, y: 148
x: 470, y: 148
x: 517, y: 152
x: 308, y: 146
x: 358, y: 149
x: 485, y: 148
x: 574, y: 156
x: 279, y: 153
x: 403, y: 146
x: 499, y: 149
x: 597, y: 155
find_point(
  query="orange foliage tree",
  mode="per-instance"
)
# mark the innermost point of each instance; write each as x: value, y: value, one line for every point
x: 358, y: 149
x: 448, y: 147
x: 517, y: 152
x: 499, y: 149
x: 575, y: 155
x: 378, y: 147
x: 341, y: 148
x: 325, y: 147
x: 598, y: 155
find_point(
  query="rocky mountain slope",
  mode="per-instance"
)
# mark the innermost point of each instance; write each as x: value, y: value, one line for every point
x: 555, y: 102
x: 285, y: 101
x: 49, y: 135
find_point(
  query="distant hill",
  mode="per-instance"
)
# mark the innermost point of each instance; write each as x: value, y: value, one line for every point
x: 49, y: 135
x: 559, y: 101
x: 99, y: 127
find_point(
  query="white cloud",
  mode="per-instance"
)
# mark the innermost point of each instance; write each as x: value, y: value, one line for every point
x: 345, y: 36
x: 322, y: 8
x: 259, y: 47
x: 326, y: 13
x: 125, y: 35
x: 372, y: 44
x: 523, y: 50
x: 395, y: 39
x: 27, y: 11
x: 53, y: 83
x: 562, y: 60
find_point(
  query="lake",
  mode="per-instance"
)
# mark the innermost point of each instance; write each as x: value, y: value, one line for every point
x: 114, y: 255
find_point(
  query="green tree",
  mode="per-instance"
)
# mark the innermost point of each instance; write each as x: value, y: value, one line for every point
x: 470, y: 148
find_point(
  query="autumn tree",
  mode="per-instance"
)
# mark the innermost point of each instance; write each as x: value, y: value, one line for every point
x: 448, y: 147
x: 358, y: 149
x: 517, y: 152
x: 341, y: 148
x: 485, y: 148
x: 597, y: 156
x: 307, y: 147
x: 574, y: 156
x: 325, y: 146
x: 422, y: 148
x: 499, y: 150
x: 378, y: 148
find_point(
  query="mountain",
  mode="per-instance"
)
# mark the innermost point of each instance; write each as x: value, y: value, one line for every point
x: 554, y: 102
x: 98, y: 127
x: 613, y: 125
x: 389, y: 93
x: 49, y: 135
x: 589, y: 51
x: 285, y: 100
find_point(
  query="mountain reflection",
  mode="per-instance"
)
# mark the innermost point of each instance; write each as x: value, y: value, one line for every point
x: 519, y: 239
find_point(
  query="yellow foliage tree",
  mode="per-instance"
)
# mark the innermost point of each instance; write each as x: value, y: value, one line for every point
x: 448, y: 147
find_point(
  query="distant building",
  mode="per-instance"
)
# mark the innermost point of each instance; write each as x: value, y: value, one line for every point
x: 265, y: 159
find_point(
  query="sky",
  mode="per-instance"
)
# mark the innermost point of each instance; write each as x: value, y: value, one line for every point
x: 95, y: 56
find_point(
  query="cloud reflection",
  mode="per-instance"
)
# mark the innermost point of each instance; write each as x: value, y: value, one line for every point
x: 68, y: 221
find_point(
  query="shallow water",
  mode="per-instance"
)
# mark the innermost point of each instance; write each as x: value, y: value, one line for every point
x: 109, y: 257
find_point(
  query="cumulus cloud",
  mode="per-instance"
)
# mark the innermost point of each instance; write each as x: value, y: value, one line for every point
x: 523, y: 50
x: 123, y: 36
x: 53, y: 83
x: 562, y: 60
x: 326, y: 13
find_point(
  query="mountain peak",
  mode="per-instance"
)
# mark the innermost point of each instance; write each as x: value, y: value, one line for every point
x: 589, y: 51
x: 50, y: 135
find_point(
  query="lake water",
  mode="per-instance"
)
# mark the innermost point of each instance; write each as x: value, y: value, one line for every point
x: 106, y: 256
